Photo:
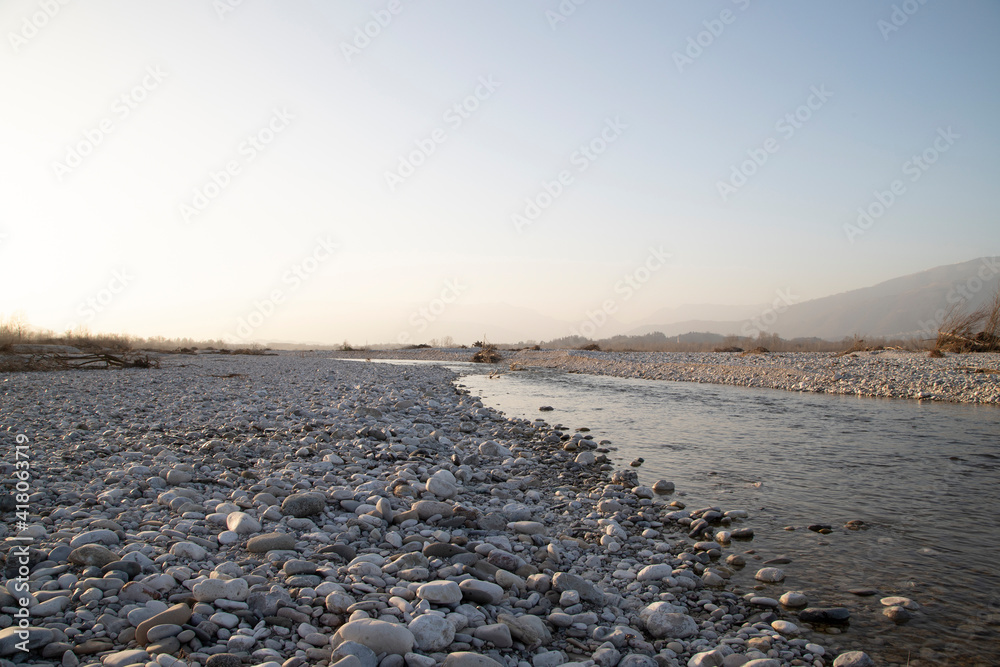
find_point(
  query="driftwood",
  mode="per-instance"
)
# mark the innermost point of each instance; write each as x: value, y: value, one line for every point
x: 62, y: 362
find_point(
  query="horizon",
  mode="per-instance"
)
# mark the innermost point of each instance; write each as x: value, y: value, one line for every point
x: 300, y: 172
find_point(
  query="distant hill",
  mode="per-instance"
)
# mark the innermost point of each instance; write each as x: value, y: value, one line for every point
x: 907, y: 306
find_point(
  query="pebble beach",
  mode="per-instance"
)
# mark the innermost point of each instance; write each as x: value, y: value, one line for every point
x: 956, y: 378
x: 299, y: 510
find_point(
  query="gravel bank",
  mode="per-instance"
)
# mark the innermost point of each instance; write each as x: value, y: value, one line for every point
x: 958, y: 378
x: 292, y: 511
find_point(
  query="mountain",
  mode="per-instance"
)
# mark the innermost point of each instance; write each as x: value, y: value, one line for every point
x: 912, y: 305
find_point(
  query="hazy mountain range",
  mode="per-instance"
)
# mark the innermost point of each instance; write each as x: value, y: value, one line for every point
x: 911, y: 305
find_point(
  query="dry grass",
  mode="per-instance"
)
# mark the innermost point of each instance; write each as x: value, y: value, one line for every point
x: 976, y: 331
x: 488, y: 354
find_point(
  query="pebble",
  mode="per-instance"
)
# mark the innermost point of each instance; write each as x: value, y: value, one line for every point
x: 770, y: 575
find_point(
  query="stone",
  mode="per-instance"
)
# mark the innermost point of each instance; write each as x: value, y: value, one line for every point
x: 125, y: 658
x: 179, y: 614
x: 480, y: 592
x: 564, y: 581
x: 528, y: 629
x: 210, y: 590
x: 259, y: 544
x: 496, y: 633
x: 785, y: 627
x: 853, y: 659
x: 442, y: 484
x: 794, y: 599
x: 162, y: 631
x: 899, y: 601
x: 661, y: 623
x: 469, y: 659
x: 828, y: 615
x: 527, y: 527
x: 440, y: 592
x: 431, y: 632
x: 37, y: 637
x: 770, y: 575
x: 303, y: 504
x: 427, y: 508
x: 365, y: 656
x: 655, y: 572
x: 224, y: 660
x: 189, y: 550
x: 242, y: 523
x: 92, y: 554
x: 638, y: 660
x: 101, y: 536
x: 548, y: 659
x: 379, y: 636
x: 897, y: 614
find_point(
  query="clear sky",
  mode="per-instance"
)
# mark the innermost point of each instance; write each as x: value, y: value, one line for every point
x: 321, y: 171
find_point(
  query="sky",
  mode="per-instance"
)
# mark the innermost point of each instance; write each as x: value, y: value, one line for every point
x: 396, y: 171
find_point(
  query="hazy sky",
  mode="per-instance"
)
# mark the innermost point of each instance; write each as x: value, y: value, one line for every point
x: 316, y: 171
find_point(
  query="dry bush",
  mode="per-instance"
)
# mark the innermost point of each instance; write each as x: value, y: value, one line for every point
x: 489, y: 354
x: 730, y: 348
x: 590, y: 347
x: 935, y: 354
x: 757, y: 350
x: 975, y: 331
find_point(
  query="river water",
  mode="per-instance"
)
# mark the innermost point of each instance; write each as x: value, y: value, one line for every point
x: 924, y: 477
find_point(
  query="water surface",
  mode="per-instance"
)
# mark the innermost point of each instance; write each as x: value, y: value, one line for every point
x: 925, y: 478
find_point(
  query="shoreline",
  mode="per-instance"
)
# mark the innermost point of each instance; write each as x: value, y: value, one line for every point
x: 878, y: 374
x: 206, y: 513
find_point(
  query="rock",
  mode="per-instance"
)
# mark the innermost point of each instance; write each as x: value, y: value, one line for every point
x: 899, y: 601
x: 189, y: 550
x: 178, y: 477
x: 92, y: 554
x: 770, y: 575
x: 563, y: 581
x: 162, y: 631
x: 496, y: 633
x: 469, y: 659
x: 548, y: 659
x: 785, y: 627
x: 303, y: 504
x: 210, y: 590
x: 853, y: 659
x: 379, y: 636
x: 828, y: 615
x: 527, y: 527
x: 897, y: 614
x: 528, y: 629
x: 179, y: 614
x: 242, y: 523
x: 442, y: 484
x: 663, y: 620
x: 36, y: 637
x: 480, y: 592
x: 586, y: 458
x: 259, y: 544
x: 794, y: 599
x: 440, y: 592
x: 365, y: 656
x: 432, y: 632
x: 101, y: 536
x: 663, y: 487
x: 224, y: 660
x: 655, y: 572
x: 638, y: 660
x: 125, y: 658
x: 427, y: 508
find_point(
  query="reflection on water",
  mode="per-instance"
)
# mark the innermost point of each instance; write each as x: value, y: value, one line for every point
x: 923, y: 476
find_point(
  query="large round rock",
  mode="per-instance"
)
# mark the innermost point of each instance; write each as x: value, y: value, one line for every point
x: 432, y: 632
x: 440, y: 592
x: 303, y: 504
x: 379, y: 636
